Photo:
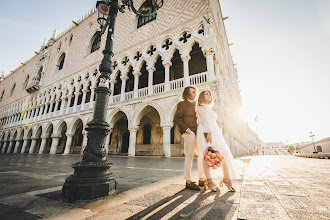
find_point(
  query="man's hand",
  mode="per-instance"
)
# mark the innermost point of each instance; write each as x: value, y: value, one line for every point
x: 209, y: 137
x: 188, y: 131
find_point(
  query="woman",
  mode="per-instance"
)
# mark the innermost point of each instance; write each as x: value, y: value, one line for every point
x: 207, y: 124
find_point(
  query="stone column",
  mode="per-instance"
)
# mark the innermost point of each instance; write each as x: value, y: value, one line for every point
x: 123, y: 87
x: 91, y: 101
x: 136, y: 83
x: 69, y: 102
x: 33, y: 111
x: 84, y: 91
x: 62, y: 105
x: 151, y: 71
x: 24, y: 145
x: 42, y: 108
x: 55, y: 141
x: 16, y: 146
x: 33, y: 145
x: 84, y: 142
x: 4, y: 147
x: 47, y: 106
x: 76, y: 95
x: 42, y: 145
x: 132, y: 140
x: 112, y: 89
x: 11, y: 143
x: 37, y: 112
x: 56, y: 104
x: 167, y: 140
x: 167, y: 75
x: 210, y: 65
x: 185, y: 61
x: 51, y: 104
x: 68, y: 143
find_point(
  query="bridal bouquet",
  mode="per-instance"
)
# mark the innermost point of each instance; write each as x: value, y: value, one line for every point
x: 213, y: 158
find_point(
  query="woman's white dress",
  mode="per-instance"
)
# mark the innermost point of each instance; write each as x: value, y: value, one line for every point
x: 207, y: 122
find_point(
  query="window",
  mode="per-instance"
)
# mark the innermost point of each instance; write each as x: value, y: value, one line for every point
x: 2, y: 93
x: 146, y: 8
x: 12, y: 89
x: 61, y: 62
x: 25, y: 82
x: 96, y: 42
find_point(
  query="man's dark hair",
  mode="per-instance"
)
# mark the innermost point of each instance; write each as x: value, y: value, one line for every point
x: 186, y: 92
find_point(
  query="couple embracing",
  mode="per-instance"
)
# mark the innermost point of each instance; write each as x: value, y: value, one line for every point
x: 197, y: 139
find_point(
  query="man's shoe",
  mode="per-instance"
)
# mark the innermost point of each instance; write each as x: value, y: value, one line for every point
x: 192, y: 186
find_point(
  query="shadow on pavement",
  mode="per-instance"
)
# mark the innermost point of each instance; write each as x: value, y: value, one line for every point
x: 188, y: 204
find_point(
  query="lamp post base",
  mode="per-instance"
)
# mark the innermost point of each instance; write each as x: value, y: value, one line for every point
x: 90, y: 181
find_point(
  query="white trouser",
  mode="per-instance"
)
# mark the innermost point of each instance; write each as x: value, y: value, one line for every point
x: 190, y: 148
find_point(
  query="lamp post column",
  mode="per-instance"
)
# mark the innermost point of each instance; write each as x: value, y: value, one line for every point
x: 92, y: 177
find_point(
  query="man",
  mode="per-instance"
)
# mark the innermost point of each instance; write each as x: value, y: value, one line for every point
x: 185, y: 117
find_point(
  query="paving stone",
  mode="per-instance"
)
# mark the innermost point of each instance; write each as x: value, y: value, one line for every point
x: 262, y: 211
x: 255, y: 188
x: 307, y: 215
x: 287, y: 190
x: 301, y: 203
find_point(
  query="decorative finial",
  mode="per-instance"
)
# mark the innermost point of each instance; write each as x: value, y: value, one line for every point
x: 54, y: 34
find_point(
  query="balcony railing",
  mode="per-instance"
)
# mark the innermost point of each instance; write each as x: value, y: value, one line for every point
x: 176, y: 84
x: 129, y: 95
x: 156, y: 89
x: 143, y: 92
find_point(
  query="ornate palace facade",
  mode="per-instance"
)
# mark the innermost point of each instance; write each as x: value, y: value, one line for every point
x: 46, y: 102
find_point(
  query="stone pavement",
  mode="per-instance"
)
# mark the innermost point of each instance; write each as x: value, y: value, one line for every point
x: 272, y: 187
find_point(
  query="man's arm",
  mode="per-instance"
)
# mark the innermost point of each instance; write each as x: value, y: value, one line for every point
x: 178, y: 117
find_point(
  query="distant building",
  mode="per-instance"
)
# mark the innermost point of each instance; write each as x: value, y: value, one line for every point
x: 322, y: 146
x: 46, y: 102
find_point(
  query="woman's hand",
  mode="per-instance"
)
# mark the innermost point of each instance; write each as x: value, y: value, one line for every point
x: 209, y: 137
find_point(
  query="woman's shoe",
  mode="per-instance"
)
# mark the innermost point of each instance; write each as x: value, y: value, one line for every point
x: 225, y: 181
x: 211, y: 187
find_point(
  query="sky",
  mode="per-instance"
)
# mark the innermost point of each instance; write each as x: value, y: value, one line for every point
x: 281, y: 47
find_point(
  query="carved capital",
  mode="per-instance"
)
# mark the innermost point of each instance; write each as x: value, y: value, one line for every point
x: 209, y: 52
x: 167, y: 64
x: 133, y: 128
x: 167, y: 126
x: 151, y: 69
x: 55, y: 136
x: 137, y: 74
x: 185, y: 58
x: 69, y: 135
x: 124, y: 78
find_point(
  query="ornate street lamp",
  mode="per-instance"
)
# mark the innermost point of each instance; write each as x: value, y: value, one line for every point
x: 92, y: 177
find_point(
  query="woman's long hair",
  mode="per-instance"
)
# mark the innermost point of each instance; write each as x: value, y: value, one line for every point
x: 201, y: 99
